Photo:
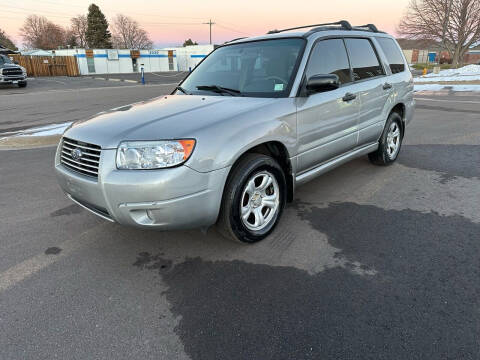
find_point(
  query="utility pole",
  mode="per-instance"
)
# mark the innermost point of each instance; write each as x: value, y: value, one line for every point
x: 210, y: 23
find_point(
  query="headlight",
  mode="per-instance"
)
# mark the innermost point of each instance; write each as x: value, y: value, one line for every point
x: 153, y: 154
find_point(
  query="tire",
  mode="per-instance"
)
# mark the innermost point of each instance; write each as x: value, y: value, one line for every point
x: 249, y: 191
x: 22, y: 84
x: 390, y: 142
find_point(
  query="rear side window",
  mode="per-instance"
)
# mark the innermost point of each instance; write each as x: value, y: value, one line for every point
x: 330, y: 57
x: 364, y: 60
x: 393, y: 54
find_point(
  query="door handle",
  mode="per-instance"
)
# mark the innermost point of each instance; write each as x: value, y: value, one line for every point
x: 349, y: 97
x: 387, y: 86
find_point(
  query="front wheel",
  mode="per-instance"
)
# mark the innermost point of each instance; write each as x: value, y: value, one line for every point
x: 253, y: 199
x: 22, y: 84
x: 390, y: 142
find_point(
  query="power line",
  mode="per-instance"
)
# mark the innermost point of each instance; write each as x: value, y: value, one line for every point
x: 116, y: 10
x: 31, y: 10
x: 168, y: 23
x: 237, y: 31
x: 210, y: 23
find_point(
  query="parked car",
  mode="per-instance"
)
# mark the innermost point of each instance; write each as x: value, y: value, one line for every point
x: 11, y: 73
x: 255, y: 119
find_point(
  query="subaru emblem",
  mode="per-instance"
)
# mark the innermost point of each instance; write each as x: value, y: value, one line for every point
x: 76, y: 154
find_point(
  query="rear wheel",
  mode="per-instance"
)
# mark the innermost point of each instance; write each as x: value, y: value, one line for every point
x: 253, y: 199
x: 390, y: 142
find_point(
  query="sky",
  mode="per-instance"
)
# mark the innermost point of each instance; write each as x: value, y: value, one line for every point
x: 171, y: 22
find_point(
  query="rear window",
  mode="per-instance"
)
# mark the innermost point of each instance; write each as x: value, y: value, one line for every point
x: 393, y: 54
x: 363, y: 59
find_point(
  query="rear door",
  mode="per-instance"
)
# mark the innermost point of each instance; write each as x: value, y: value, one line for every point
x: 372, y: 86
x: 326, y: 122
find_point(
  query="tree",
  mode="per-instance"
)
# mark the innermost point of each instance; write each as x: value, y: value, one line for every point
x: 6, y: 42
x: 70, y: 39
x: 189, y: 42
x: 79, y: 29
x: 97, y: 34
x: 454, y: 23
x: 40, y: 33
x: 127, y: 34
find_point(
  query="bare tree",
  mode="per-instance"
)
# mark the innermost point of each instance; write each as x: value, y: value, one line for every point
x: 127, y: 34
x: 32, y: 30
x: 40, y: 33
x: 455, y: 23
x: 79, y: 29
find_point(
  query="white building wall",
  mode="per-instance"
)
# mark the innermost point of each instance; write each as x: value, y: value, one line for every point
x: 153, y: 60
x: 188, y: 57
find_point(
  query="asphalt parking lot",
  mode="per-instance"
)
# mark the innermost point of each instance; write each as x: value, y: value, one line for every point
x: 368, y: 262
x: 63, y: 99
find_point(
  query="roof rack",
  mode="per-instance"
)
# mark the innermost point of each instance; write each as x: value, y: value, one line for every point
x: 229, y: 41
x: 343, y: 24
x: 370, y: 27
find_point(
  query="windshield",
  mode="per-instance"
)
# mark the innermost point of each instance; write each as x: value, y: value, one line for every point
x: 4, y: 60
x: 258, y: 69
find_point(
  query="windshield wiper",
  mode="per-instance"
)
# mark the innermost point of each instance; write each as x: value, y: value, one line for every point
x: 182, y: 90
x: 219, y: 89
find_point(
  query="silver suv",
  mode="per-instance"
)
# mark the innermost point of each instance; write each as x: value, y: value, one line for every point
x: 255, y: 119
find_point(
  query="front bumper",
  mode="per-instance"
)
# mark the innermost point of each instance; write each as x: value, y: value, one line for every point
x: 12, y: 79
x: 174, y: 198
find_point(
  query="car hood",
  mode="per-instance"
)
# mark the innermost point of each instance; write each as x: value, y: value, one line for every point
x: 166, y: 117
x: 10, y: 66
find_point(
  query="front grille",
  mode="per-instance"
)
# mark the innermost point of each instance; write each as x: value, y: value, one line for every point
x: 88, y: 161
x: 12, y: 72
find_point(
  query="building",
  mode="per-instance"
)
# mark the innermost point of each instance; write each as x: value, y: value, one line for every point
x: 189, y: 56
x: 38, y: 52
x: 117, y: 61
x: 473, y: 56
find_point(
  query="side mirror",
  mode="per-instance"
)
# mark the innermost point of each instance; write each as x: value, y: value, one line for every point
x: 321, y: 83
x: 16, y: 63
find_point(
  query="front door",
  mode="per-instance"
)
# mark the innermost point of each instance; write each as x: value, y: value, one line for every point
x: 327, y: 122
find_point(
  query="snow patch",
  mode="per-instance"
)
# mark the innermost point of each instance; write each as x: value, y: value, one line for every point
x: 466, y: 73
x: 47, y: 130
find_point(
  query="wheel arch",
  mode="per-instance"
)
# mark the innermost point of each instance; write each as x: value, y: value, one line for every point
x: 279, y: 152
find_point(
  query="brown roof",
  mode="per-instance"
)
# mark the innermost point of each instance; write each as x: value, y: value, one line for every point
x: 409, y: 44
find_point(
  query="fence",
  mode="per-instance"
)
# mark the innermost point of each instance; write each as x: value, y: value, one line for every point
x: 48, y: 65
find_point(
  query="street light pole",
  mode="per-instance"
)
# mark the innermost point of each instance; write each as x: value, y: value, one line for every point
x: 210, y: 23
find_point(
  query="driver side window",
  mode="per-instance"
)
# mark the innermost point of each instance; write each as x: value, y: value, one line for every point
x: 330, y: 57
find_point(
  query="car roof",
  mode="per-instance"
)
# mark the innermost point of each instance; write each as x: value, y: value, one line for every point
x: 316, y: 31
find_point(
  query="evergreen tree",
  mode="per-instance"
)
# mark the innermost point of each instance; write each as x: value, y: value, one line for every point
x: 97, y: 36
x: 189, y: 42
x: 6, y: 42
